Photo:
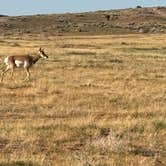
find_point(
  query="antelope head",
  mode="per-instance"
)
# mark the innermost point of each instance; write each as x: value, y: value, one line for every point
x: 42, y: 53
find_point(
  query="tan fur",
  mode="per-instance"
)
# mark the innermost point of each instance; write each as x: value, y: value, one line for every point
x: 22, y: 61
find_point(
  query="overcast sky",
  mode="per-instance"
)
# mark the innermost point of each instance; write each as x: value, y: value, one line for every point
x: 29, y: 7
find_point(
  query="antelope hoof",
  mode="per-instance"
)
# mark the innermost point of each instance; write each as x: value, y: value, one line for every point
x: 27, y: 79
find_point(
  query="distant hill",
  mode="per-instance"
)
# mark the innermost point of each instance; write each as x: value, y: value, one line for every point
x: 138, y: 20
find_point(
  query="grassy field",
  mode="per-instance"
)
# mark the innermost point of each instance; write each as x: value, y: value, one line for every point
x: 97, y: 101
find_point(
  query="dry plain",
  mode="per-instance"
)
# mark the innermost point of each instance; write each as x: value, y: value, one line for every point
x: 97, y: 101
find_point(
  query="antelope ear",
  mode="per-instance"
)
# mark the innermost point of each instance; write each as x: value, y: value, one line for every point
x: 40, y: 49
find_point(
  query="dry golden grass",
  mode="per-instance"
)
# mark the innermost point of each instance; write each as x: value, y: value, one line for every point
x: 97, y: 101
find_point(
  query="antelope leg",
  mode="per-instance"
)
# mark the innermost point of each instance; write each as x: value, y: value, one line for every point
x: 27, y: 74
x: 3, y: 73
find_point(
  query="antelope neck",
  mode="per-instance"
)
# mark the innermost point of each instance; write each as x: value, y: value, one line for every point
x: 36, y: 58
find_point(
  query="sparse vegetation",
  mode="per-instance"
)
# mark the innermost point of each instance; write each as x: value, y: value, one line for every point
x: 97, y: 101
x: 107, y: 17
x: 138, y: 7
x: 125, y: 21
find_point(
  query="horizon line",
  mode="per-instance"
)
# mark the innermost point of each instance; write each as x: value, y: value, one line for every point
x: 75, y: 12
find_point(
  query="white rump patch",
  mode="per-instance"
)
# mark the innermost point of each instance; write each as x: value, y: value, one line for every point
x: 6, y: 60
x: 19, y: 63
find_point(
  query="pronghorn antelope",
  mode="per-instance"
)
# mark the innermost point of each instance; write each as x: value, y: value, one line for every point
x: 22, y: 61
